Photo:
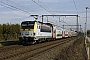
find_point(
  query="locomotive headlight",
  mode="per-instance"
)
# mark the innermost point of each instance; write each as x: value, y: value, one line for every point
x: 33, y: 33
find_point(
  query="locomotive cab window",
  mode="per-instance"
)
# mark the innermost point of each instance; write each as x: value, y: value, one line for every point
x: 23, y: 25
x: 31, y: 26
x: 28, y: 25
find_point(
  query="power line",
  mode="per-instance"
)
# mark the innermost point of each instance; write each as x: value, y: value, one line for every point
x: 17, y: 4
x: 75, y: 6
x: 21, y: 9
x: 42, y: 7
x: 45, y: 8
x: 43, y: 4
x: 7, y: 7
x: 14, y: 7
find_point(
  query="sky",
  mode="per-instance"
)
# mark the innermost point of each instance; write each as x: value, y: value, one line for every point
x: 16, y: 11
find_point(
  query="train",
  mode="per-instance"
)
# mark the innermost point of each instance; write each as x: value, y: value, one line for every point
x: 32, y: 32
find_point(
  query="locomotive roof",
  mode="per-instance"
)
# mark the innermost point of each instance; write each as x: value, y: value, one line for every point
x: 36, y: 21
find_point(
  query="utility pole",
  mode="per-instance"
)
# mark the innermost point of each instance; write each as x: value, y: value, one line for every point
x: 86, y: 23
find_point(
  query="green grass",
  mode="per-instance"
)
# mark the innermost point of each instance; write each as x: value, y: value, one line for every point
x: 6, y: 43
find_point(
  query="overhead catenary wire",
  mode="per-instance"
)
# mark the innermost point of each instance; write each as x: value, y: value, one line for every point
x: 53, y: 14
x: 14, y: 7
x: 75, y: 7
x: 45, y: 8
x: 42, y: 6
x: 7, y: 6
x: 17, y: 4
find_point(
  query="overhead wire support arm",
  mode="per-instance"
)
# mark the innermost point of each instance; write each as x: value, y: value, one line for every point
x: 65, y: 16
x: 60, y: 15
x: 71, y: 25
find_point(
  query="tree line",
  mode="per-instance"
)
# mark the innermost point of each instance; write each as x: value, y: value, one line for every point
x: 9, y: 31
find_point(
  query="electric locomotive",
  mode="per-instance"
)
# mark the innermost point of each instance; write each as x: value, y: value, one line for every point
x: 35, y: 31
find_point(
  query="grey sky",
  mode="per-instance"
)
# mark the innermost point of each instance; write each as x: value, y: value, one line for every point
x: 12, y: 15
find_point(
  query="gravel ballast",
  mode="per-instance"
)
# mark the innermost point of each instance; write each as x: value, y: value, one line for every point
x: 51, y: 54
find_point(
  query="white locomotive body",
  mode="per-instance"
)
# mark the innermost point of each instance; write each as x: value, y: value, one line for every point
x: 32, y: 31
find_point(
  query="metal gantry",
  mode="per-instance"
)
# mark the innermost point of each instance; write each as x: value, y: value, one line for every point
x: 65, y: 16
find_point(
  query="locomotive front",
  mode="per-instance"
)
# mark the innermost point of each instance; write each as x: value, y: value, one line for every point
x: 27, y: 32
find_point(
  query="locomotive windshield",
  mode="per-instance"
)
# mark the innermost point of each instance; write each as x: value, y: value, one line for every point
x: 28, y: 24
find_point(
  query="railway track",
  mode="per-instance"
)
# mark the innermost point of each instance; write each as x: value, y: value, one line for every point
x: 12, y: 47
x: 26, y: 52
